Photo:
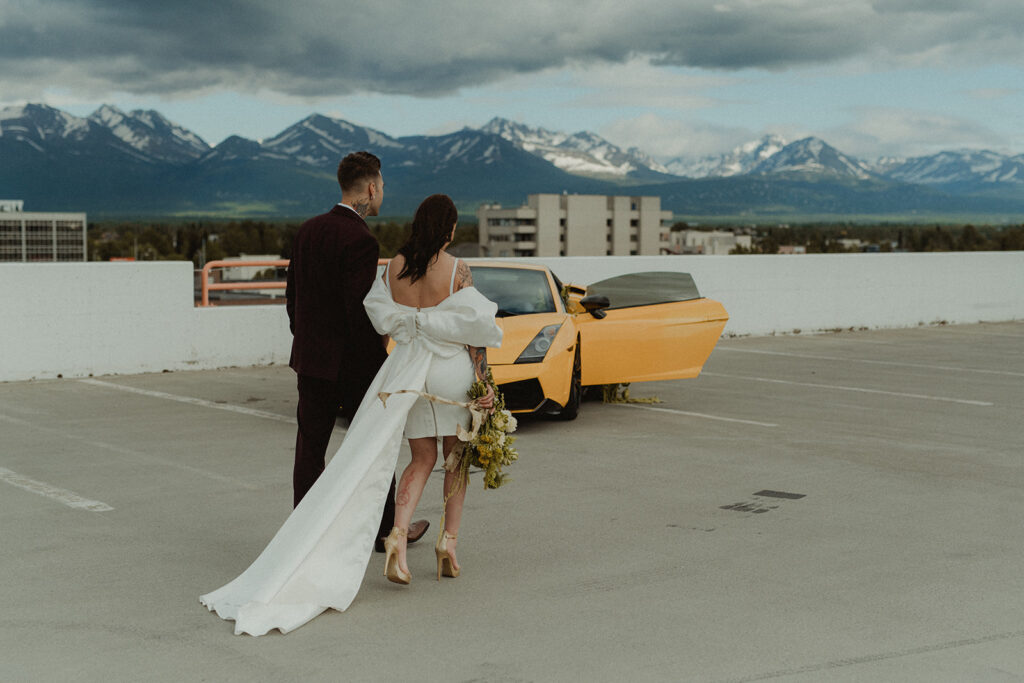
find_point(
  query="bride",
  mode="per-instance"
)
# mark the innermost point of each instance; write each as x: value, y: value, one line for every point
x: 441, y: 326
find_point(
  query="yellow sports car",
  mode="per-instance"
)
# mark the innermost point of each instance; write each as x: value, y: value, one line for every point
x: 560, y: 339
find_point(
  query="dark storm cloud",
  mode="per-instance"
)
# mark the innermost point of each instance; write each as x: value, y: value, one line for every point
x: 324, y: 47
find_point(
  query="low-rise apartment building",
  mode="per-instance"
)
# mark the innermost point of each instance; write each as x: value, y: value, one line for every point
x: 713, y: 242
x: 575, y: 225
x: 35, y: 236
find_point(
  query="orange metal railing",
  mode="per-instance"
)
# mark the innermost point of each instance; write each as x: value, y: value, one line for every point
x: 206, y: 286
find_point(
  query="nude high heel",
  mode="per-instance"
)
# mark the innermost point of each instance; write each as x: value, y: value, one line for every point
x: 445, y: 565
x: 391, y: 568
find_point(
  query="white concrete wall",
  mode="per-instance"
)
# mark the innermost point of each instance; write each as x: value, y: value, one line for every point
x: 76, y: 319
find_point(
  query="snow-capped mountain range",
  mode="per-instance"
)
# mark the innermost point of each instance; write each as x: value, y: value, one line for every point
x: 144, y: 135
x: 42, y: 147
x: 41, y: 127
x: 812, y: 155
x: 582, y: 153
x: 587, y: 153
x: 963, y: 166
x: 741, y: 160
x: 151, y: 134
x: 318, y: 140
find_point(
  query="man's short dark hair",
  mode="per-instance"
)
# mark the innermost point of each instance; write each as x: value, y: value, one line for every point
x: 356, y: 167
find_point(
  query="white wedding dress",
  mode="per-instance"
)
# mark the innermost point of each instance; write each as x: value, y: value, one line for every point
x: 317, y: 559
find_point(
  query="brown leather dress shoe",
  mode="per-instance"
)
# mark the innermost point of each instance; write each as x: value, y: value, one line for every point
x: 416, y: 531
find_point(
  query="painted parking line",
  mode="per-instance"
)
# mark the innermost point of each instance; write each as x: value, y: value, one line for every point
x: 835, y: 665
x: 700, y: 415
x: 862, y: 390
x: 981, y: 333
x: 127, y: 452
x: 252, y: 412
x: 868, y: 361
x: 69, y: 498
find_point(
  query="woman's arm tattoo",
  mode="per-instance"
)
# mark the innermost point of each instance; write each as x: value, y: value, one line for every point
x: 463, y: 276
x: 478, y: 354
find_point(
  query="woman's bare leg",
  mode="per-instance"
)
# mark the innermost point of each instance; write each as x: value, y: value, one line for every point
x: 410, y: 487
x: 453, y: 509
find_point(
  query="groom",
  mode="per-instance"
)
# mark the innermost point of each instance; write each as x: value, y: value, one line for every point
x: 335, y: 350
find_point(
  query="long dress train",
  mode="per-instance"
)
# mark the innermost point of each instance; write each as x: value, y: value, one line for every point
x: 317, y: 559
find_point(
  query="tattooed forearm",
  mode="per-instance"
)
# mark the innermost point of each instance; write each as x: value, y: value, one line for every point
x: 362, y: 207
x: 463, y: 276
x: 478, y: 354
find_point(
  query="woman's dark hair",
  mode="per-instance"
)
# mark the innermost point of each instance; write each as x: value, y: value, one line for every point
x: 431, y: 227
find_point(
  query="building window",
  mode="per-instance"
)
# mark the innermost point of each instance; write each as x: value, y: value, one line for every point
x: 561, y: 222
x: 70, y: 241
x: 634, y: 223
x: 39, y: 241
x: 632, y: 252
x: 508, y: 222
x: 10, y: 240
x: 608, y: 222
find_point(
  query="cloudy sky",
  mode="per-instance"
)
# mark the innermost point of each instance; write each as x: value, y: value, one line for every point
x: 673, y: 77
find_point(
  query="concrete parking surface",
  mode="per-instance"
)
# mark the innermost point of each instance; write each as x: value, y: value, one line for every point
x: 842, y: 507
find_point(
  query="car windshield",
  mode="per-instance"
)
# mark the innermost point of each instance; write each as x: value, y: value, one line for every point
x: 515, y: 290
x: 641, y: 289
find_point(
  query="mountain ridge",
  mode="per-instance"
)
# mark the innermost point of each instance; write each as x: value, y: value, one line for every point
x: 582, y: 152
x: 115, y: 161
x: 739, y: 161
x: 150, y: 133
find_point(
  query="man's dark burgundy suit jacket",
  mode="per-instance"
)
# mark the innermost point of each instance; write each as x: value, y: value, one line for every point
x: 333, y: 265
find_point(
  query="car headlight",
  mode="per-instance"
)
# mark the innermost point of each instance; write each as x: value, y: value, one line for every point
x: 538, y: 347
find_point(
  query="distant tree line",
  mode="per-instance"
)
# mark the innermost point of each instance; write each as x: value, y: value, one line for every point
x: 201, y: 241
x: 822, y: 238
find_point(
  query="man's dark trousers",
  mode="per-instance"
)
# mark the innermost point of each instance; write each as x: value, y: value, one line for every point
x: 336, y: 352
x: 317, y: 413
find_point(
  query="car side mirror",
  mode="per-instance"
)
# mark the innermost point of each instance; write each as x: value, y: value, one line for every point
x: 594, y: 303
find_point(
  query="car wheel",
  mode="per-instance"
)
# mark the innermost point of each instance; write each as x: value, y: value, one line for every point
x: 572, y: 405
